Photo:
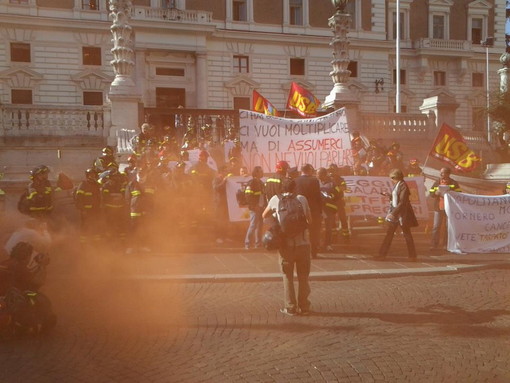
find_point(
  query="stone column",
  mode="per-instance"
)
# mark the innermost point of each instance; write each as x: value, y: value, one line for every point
x: 341, y: 96
x: 201, y: 79
x: 124, y: 95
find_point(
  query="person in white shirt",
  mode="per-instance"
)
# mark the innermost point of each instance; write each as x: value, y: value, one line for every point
x: 295, y: 252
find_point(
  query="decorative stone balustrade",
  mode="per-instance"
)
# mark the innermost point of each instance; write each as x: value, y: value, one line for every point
x: 33, y: 120
x: 451, y: 45
x: 177, y: 15
x: 392, y: 126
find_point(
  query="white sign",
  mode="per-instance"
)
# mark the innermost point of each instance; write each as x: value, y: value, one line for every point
x: 478, y: 224
x: 363, y: 196
x: 236, y: 213
x: 320, y: 141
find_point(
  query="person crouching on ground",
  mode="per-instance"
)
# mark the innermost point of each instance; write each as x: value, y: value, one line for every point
x: 294, y: 251
x: 401, y: 213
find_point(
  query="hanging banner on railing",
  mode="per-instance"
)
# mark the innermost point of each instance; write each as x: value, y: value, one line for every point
x: 362, y: 197
x: 317, y: 141
x: 478, y: 224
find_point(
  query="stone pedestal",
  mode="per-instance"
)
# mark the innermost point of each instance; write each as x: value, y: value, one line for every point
x: 443, y: 106
x: 124, y: 115
x: 341, y: 97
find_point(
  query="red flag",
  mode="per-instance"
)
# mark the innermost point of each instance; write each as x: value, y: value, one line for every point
x: 262, y: 105
x: 302, y: 101
x: 451, y: 148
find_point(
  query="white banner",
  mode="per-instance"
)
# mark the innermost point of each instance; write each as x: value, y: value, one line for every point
x: 317, y: 141
x: 236, y: 213
x: 478, y: 224
x: 362, y: 197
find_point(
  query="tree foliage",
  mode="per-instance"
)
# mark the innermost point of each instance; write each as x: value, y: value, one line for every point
x: 499, y: 110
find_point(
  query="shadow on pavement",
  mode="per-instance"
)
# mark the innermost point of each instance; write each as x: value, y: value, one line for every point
x: 439, y: 314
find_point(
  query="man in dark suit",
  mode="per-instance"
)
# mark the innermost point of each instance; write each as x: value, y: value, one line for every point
x: 308, y: 186
x: 401, y: 214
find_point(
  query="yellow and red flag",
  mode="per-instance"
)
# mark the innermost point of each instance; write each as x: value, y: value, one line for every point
x: 302, y: 101
x: 451, y: 148
x: 262, y: 105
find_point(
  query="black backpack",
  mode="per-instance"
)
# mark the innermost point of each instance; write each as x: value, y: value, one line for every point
x: 23, y: 203
x: 242, y: 201
x: 291, y: 216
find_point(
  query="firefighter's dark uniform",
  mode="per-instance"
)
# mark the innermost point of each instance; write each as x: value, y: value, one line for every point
x: 340, y: 186
x: 104, y: 162
x: 330, y: 197
x: 140, y: 201
x: 40, y: 199
x: 87, y: 200
x: 273, y: 185
x: 113, y: 187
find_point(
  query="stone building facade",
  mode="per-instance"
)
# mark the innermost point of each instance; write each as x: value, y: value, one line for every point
x: 55, y: 71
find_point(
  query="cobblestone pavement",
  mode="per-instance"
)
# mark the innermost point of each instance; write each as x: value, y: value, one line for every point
x: 444, y: 328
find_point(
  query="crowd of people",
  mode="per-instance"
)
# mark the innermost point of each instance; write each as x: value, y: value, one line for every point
x: 161, y: 196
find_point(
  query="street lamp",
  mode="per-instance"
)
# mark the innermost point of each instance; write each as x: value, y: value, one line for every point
x: 487, y: 43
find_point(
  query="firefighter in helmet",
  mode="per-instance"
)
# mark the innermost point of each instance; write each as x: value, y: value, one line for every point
x: 274, y: 184
x: 87, y: 199
x: 38, y: 200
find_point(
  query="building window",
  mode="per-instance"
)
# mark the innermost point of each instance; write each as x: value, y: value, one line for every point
x: 91, y: 55
x: 438, y: 24
x: 439, y: 78
x: 351, y: 10
x: 241, y: 64
x: 477, y: 80
x: 179, y: 72
x: 92, y: 98
x: 242, y: 103
x: 353, y: 67
x: 296, y: 12
x: 20, y: 52
x: 90, y: 5
x: 476, y: 30
x: 297, y: 67
x: 169, y: 4
x: 239, y: 10
x: 21, y: 96
x: 405, y: 10
x: 402, y: 76
x: 402, y: 24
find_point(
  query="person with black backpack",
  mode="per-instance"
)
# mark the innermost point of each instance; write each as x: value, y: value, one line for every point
x: 292, y: 216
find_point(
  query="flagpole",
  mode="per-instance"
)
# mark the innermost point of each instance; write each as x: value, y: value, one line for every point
x: 397, y: 55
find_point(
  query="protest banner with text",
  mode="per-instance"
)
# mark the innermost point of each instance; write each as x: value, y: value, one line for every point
x: 362, y: 197
x: 478, y: 224
x: 318, y: 141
